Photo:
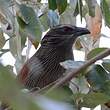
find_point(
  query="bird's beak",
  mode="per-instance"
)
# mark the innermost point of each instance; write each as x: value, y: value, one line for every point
x: 81, y: 31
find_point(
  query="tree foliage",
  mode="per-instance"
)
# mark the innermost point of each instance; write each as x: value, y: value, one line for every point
x: 26, y: 20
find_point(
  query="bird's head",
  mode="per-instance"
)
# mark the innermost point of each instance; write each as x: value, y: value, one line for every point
x: 62, y: 35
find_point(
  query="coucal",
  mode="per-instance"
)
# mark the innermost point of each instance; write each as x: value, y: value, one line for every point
x: 44, y: 66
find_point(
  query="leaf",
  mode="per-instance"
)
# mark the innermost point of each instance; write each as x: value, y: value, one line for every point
x: 13, y: 46
x: 79, y: 83
x: 61, y: 5
x: 53, y: 18
x: 2, y: 39
x: 38, y: 0
x: 94, y: 23
x: 3, y: 51
x: 106, y: 64
x: 73, y: 4
x: 6, y: 3
x: 108, y: 2
x: 78, y: 9
x: 49, y: 104
x: 106, y: 12
x: 95, y: 52
x: 71, y: 64
x: 106, y: 87
x: 65, y: 94
x: 84, y: 10
x: 78, y: 44
x: 23, y: 37
x: 91, y: 5
x: 44, y: 21
x: 10, y: 92
x: 3, y: 19
x: 97, y: 77
x: 76, y: 12
x: 7, y: 79
x: 1, y: 56
x: 52, y: 4
x: 7, y: 14
x: 91, y: 100
x: 29, y: 23
x: 68, y: 20
x: 58, y: 4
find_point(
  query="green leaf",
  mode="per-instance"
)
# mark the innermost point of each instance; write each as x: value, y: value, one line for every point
x: 76, y: 12
x: 80, y: 83
x: 23, y: 38
x: 58, y: 4
x: 79, y: 8
x: 2, y: 39
x: 68, y: 20
x: 91, y: 5
x: 3, y: 19
x: 84, y: 10
x: 64, y: 92
x: 95, y: 52
x: 10, y: 92
x: 61, y: 5
x: 106, y: 64
x: 91, y: 100
x: 52, y: 4
x: 21, y: 22
x: 106, y: 87
x: 44, y: 21
x: 38, y: 0
x: 73, y: 4
x: 106, y: 12
x: 96, y: 77
x: 29, y: 23
x: 13, y: 46
x: 1, y: 55
x: 78, y: 45
x: 7, y: 80
x: 4, y: 50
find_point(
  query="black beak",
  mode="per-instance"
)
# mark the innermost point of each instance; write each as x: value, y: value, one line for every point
x: 81, y: 31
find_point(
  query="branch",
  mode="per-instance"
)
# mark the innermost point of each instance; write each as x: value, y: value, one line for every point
x: 75, y: 72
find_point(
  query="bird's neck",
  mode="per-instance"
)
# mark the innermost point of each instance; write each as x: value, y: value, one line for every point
x: 66, y: 53
x: 58, y: 52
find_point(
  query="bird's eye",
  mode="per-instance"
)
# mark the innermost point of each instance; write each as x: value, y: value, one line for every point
x: 68, y: 29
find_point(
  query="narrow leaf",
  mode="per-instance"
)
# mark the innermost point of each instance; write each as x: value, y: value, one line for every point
x: 106, y: 12
x: 2, y: 39
x: 61, y: 5
x: 29, y: 23
x: 91, y: 100
x: 95, y: 52
x: 52, y: 4
x: 97, y: 77
x: 106, y: 64
x: 91, y: 5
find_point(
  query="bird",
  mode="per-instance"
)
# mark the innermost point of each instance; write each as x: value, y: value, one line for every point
x: 44, y: 66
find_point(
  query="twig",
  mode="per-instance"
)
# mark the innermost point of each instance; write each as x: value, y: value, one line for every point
x: 77, y: 71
